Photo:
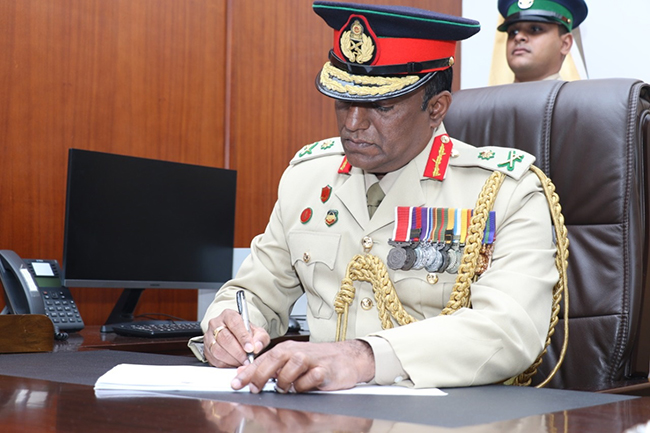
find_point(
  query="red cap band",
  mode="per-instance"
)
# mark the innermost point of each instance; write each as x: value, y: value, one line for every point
x: 397, y: 51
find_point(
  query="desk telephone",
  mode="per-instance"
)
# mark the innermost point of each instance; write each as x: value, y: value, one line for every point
x: 34, y: 286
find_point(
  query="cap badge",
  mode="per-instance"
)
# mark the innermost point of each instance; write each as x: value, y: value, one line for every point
x: 525, y: 4
x: 356, y: 45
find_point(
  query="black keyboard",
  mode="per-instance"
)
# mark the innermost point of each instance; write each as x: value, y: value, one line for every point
x: 159, y: 329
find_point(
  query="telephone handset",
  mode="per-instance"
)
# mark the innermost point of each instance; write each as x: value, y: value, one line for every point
x: 34, y: 286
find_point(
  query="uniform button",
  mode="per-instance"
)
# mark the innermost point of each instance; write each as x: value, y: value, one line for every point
x: 432, y: 278
x: 366, y: 303
x: 398, y: 379
x: 455, y: 153
x: 367, y: 242
x: 444, y: 139
x: 306, y: 257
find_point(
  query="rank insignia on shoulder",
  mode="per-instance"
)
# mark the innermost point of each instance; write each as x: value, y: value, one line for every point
x: 486, y: 155
x: 331, y: 146
x: 512, y: 162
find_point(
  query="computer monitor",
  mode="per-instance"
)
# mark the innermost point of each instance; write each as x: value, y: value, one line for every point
x: 138, y: 223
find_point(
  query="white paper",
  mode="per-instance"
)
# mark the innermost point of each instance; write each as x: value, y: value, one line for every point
x: 158, y: 378
x: 387, y: 390
x: 137, y: 377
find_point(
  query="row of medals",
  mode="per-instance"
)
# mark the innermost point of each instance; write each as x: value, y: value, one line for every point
x: 432, y: 256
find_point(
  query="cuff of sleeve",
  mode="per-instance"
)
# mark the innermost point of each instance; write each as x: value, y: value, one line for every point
x: 196, y: 346
x: 388, y: 368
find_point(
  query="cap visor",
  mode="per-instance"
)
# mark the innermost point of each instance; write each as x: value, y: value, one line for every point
x: 504, y: 27
x: 344, y: 86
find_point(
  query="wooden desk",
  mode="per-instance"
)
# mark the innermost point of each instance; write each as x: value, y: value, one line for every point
x: 40, y: 405
x: 91, y: 339
x: 43, y: 405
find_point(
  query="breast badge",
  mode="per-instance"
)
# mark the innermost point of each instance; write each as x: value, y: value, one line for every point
x: 305, y: 215
x: 332, y: 217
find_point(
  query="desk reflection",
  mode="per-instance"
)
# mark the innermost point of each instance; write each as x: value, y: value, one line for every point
x: 234, y: 417
x: 39, y: 405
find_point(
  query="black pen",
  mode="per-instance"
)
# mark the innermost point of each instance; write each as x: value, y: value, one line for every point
x: 243, y: 310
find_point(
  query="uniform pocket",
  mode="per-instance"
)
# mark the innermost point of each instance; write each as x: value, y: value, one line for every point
x: 313, y: 256
x: 416, y: 292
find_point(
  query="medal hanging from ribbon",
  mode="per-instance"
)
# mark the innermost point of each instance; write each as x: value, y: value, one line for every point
x: 485, y: 255
x: 401, y: 240
x: 423, y: 253
x: 414, y: 238
x: 454, y: 252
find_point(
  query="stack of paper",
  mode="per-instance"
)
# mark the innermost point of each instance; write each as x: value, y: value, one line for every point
x: 138, y: 377
x: 158, y: 378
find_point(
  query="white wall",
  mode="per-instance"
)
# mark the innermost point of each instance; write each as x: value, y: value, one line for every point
x: 615, y: 39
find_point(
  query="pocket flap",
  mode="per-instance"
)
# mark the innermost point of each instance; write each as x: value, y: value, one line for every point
x: 312, y: 247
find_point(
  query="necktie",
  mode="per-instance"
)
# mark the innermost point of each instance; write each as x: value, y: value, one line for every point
x: 375, y: 195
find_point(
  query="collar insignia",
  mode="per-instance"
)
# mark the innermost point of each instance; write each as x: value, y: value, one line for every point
x: 439, y: 158
x: 345, y: 166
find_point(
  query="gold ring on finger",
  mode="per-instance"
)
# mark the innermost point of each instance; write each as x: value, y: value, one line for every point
x: 217, y: 331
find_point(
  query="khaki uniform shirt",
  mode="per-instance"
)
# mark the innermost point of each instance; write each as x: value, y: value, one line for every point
x: 496, y: 339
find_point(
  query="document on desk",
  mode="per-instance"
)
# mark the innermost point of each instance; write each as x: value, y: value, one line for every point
x: 137, y: 378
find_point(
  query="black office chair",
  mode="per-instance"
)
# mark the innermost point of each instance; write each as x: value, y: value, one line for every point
x: 591, y: 138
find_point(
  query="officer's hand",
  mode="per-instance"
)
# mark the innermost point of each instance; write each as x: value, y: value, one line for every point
x: 232, y: 340
x: 300, y: 366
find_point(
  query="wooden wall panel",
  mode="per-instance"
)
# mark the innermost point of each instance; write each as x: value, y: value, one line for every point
x: 276, y: 50
x: 224, y: 83
x: 135, y: 77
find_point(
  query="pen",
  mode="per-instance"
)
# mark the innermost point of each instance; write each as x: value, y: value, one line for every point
x: 243, y: 310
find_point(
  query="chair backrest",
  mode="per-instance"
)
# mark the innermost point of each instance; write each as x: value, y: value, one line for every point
x: 591, y: 138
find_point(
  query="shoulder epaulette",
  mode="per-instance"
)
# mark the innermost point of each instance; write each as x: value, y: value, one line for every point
x: 512, y: 162
x: 330, y: 146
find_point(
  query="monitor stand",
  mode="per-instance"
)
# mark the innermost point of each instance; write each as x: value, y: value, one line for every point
x: 123, y: 309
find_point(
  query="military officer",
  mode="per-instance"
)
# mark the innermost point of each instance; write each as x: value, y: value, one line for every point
x: 389, y: 74
x: 539, y: 35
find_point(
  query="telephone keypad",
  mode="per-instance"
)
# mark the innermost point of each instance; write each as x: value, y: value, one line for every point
x: 60, y: 309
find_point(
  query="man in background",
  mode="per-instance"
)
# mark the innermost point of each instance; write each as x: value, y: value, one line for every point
x: 539, y: 35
